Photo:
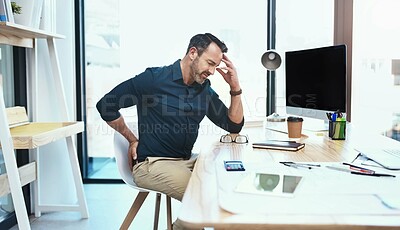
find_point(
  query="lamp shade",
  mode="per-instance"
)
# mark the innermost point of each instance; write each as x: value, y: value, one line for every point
x: 271, y: 60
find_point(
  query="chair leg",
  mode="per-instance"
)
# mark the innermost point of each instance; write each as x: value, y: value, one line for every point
x: 157, y: 211
x: 169, y: 213
x: 133, y: 210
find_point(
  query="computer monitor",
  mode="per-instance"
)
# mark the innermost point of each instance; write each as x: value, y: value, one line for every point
x: 316, y: 81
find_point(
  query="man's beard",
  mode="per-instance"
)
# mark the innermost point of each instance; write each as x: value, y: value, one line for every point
x: 195, y: 73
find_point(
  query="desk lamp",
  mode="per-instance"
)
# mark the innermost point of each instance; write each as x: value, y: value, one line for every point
x: 271, y: 60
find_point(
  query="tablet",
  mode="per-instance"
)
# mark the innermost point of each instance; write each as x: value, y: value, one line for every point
x: 269, y: 184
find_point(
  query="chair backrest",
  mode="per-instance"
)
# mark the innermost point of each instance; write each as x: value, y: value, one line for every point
x: 121, y: 146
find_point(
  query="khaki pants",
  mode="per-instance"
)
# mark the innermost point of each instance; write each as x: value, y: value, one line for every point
x: 167, y: 175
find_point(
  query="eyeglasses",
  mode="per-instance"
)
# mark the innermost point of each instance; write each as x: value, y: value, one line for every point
x: 229, y: 138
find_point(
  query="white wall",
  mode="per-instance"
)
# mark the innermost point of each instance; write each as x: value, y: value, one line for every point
x: 55, y: 172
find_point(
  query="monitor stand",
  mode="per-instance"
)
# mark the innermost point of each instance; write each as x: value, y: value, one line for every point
x: 315, y: 125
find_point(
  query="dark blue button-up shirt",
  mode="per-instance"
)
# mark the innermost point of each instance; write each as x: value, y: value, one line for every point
x: 169, y: 111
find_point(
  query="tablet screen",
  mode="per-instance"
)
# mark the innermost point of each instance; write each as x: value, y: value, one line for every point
x: 269, y: 184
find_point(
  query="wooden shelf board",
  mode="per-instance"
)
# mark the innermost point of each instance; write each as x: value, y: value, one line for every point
x: 26, y: 32
x: 19, y: 35
x: 36, y: 134
x: 27, y: 174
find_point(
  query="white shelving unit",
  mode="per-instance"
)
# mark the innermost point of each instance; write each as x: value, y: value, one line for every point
x: 18, y: 133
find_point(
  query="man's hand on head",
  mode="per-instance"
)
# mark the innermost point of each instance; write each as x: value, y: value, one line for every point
x: 229, y: 73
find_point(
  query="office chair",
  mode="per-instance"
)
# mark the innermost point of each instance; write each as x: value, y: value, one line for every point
x: 121, y: 155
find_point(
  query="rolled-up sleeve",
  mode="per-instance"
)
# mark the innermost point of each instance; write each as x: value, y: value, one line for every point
x: 218, y: 114
x: 122, y: 96
x: 126, y: 94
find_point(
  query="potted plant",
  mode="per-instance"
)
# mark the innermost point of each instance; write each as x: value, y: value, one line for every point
x: 30, y: 12
x: 16, y: 9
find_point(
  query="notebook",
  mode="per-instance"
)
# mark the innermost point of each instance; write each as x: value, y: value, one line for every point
x: 387, y: 158
x: 279, y: 145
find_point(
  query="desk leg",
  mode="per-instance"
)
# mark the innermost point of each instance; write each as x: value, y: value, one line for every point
x: 34, y: 153
x: 58, y: 83
x: 15, y: 186
x: 55, y: 66
x: 77, y: 177
x: 11, y: 167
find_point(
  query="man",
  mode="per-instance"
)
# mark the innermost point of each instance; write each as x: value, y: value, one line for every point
x: 171, y: 102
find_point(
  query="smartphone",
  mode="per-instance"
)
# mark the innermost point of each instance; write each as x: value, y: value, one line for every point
x: 234, y: 166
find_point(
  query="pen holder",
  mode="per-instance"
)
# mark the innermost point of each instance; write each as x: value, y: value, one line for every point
x: 337, y: 130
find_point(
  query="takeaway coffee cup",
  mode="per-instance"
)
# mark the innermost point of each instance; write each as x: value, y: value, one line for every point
x: 294, y: 126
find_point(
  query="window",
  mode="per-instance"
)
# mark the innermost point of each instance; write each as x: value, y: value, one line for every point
x: 376, y: 77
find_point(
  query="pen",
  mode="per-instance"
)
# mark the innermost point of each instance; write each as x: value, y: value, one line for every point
x: 339, y: 114
x: 329, y: 116
x: 291, y: 162
x: 360, y: 169
x: 295, y: 165
x: 339, y: 168
x: 373, y: 174
x: 359, y: 173
x: 334, y: 115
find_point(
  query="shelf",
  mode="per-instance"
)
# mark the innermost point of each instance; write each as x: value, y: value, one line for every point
x: 27, y: 174
x: 16, y: 132
x: 19, y: 35
x: 36, y: 134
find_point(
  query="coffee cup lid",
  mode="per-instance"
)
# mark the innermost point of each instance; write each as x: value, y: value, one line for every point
x: 294, y: 119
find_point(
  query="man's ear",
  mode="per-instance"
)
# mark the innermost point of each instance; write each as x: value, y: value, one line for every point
x: 193, y: 53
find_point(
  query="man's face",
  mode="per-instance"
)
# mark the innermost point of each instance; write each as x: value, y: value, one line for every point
x: 204, y: 65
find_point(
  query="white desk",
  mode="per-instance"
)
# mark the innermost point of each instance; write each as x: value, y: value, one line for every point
x: 210, y: 187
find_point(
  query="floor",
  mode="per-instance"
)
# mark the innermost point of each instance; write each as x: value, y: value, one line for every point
x: 105, y: 168
x: 108, y: 205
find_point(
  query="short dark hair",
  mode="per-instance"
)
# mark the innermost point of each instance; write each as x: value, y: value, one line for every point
x: 202, y: 41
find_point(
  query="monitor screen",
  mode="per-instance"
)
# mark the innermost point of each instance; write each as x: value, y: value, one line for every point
x: 316, y: 81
